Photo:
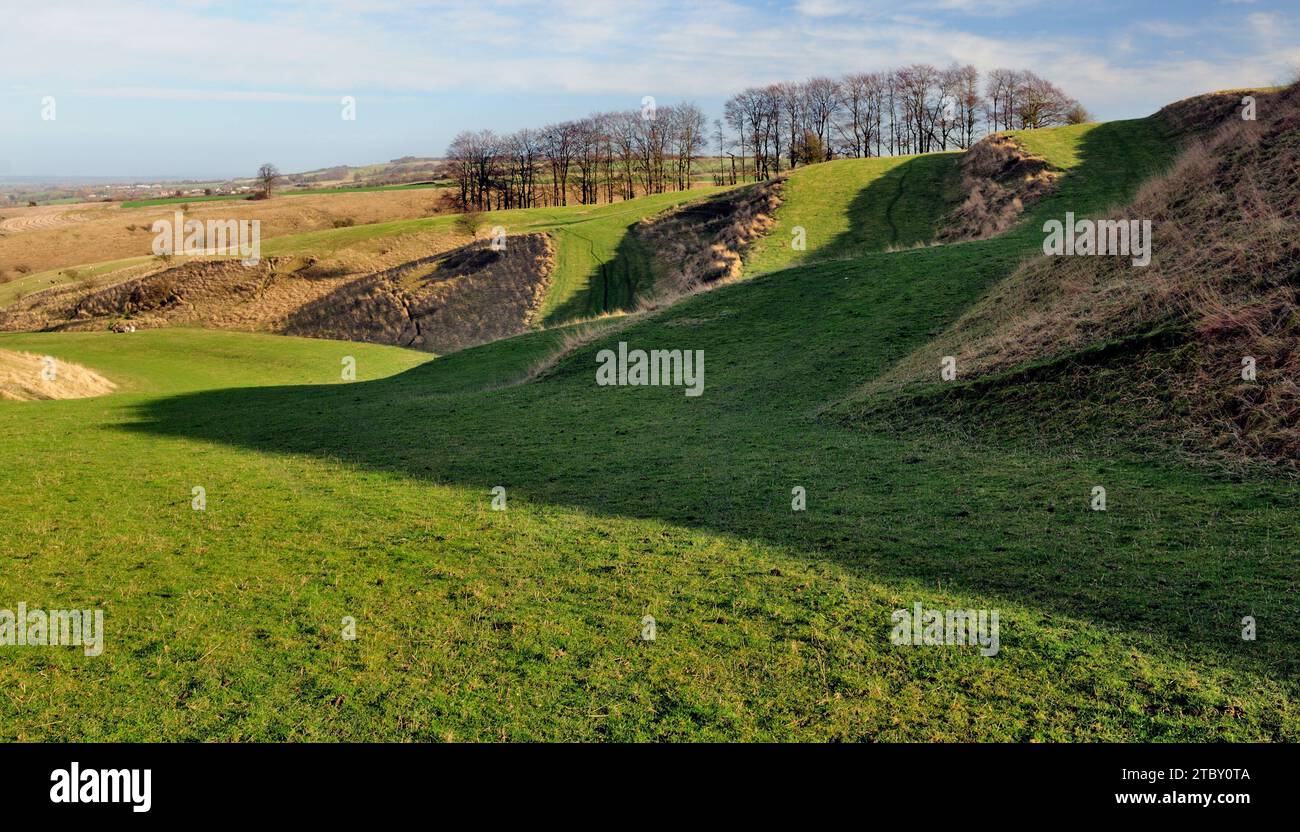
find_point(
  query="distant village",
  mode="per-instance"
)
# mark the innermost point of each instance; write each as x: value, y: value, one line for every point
x: 20, y: 194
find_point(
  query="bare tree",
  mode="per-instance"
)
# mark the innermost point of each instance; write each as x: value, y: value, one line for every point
x: 625, y: 154
x: 794, y: 113
x: 688, y: 128
x: 965, y: 89
x: 586, y: 155
x: 736, y: 119
x: 823, y: 102
x: 267, y: 176
x: 1040, y: 103
x: 773, y: 116
x: 854, y: 128
x: 1001, y: 89
x: 522, y: 149
x: 622, y: 129
x: 557, y: 149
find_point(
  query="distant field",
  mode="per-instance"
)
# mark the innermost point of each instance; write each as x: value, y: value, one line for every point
x: 414, y: 186
x: 176, y: 200
x: 40, y: 241
x: 599, y: 268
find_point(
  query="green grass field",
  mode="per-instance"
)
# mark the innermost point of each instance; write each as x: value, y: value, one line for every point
x: 35, y: 282
x: 372, y: 500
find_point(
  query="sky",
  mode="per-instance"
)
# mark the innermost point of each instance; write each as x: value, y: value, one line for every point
x: 199, y: 88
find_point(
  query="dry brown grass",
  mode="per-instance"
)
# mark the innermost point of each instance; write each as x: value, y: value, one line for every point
x: 216, y: 293
x: 55, y: 236
x: 221, y: 294
x: 23, y: 378
x: 1225, y: 266
x: 703, y: 242
x: 1200, y: 114
x: 999, y: 180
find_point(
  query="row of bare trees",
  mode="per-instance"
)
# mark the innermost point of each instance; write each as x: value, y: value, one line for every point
x: 603, y: 157
x: 621, y: 155
x: 915, y: 109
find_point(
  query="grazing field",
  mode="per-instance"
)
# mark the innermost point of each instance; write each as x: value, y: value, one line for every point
x: 372, y: 500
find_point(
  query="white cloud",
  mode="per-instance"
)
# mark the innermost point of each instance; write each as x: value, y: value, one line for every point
x: 291, y: 52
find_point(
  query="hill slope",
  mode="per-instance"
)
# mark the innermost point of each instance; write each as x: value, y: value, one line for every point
x: 373, y: 501
x: 596, y: 267
x: 1170, y: 338
x: 851, y: 207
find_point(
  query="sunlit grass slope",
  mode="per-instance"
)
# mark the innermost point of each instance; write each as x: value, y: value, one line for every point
x: 850, y: 207
x: 373, y: 501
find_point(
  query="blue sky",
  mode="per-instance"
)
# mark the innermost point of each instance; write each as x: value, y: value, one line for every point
x: 197, y: 88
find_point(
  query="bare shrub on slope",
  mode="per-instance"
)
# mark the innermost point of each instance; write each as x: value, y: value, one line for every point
x: 1200, y: 114
x: 694, y: 247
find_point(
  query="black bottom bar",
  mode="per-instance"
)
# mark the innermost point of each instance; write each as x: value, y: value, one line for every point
x: 211, y: 782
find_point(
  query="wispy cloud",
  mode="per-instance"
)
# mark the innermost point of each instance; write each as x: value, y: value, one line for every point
x: 474, y: 60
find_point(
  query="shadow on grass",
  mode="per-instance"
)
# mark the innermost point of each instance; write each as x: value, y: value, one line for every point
x: 919, y: 507
x: 899, y: 209
x: 611, y: 286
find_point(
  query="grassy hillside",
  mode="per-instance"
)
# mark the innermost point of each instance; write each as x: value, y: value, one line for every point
x: 597, y: 268
x: 372, y: 500
x: 850, y: 207
x: 1169, y: 337
x: 11, y: 291
x: 165, y: 361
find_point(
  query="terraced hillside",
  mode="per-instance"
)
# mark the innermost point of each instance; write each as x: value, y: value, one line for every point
x: 373, y: 500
